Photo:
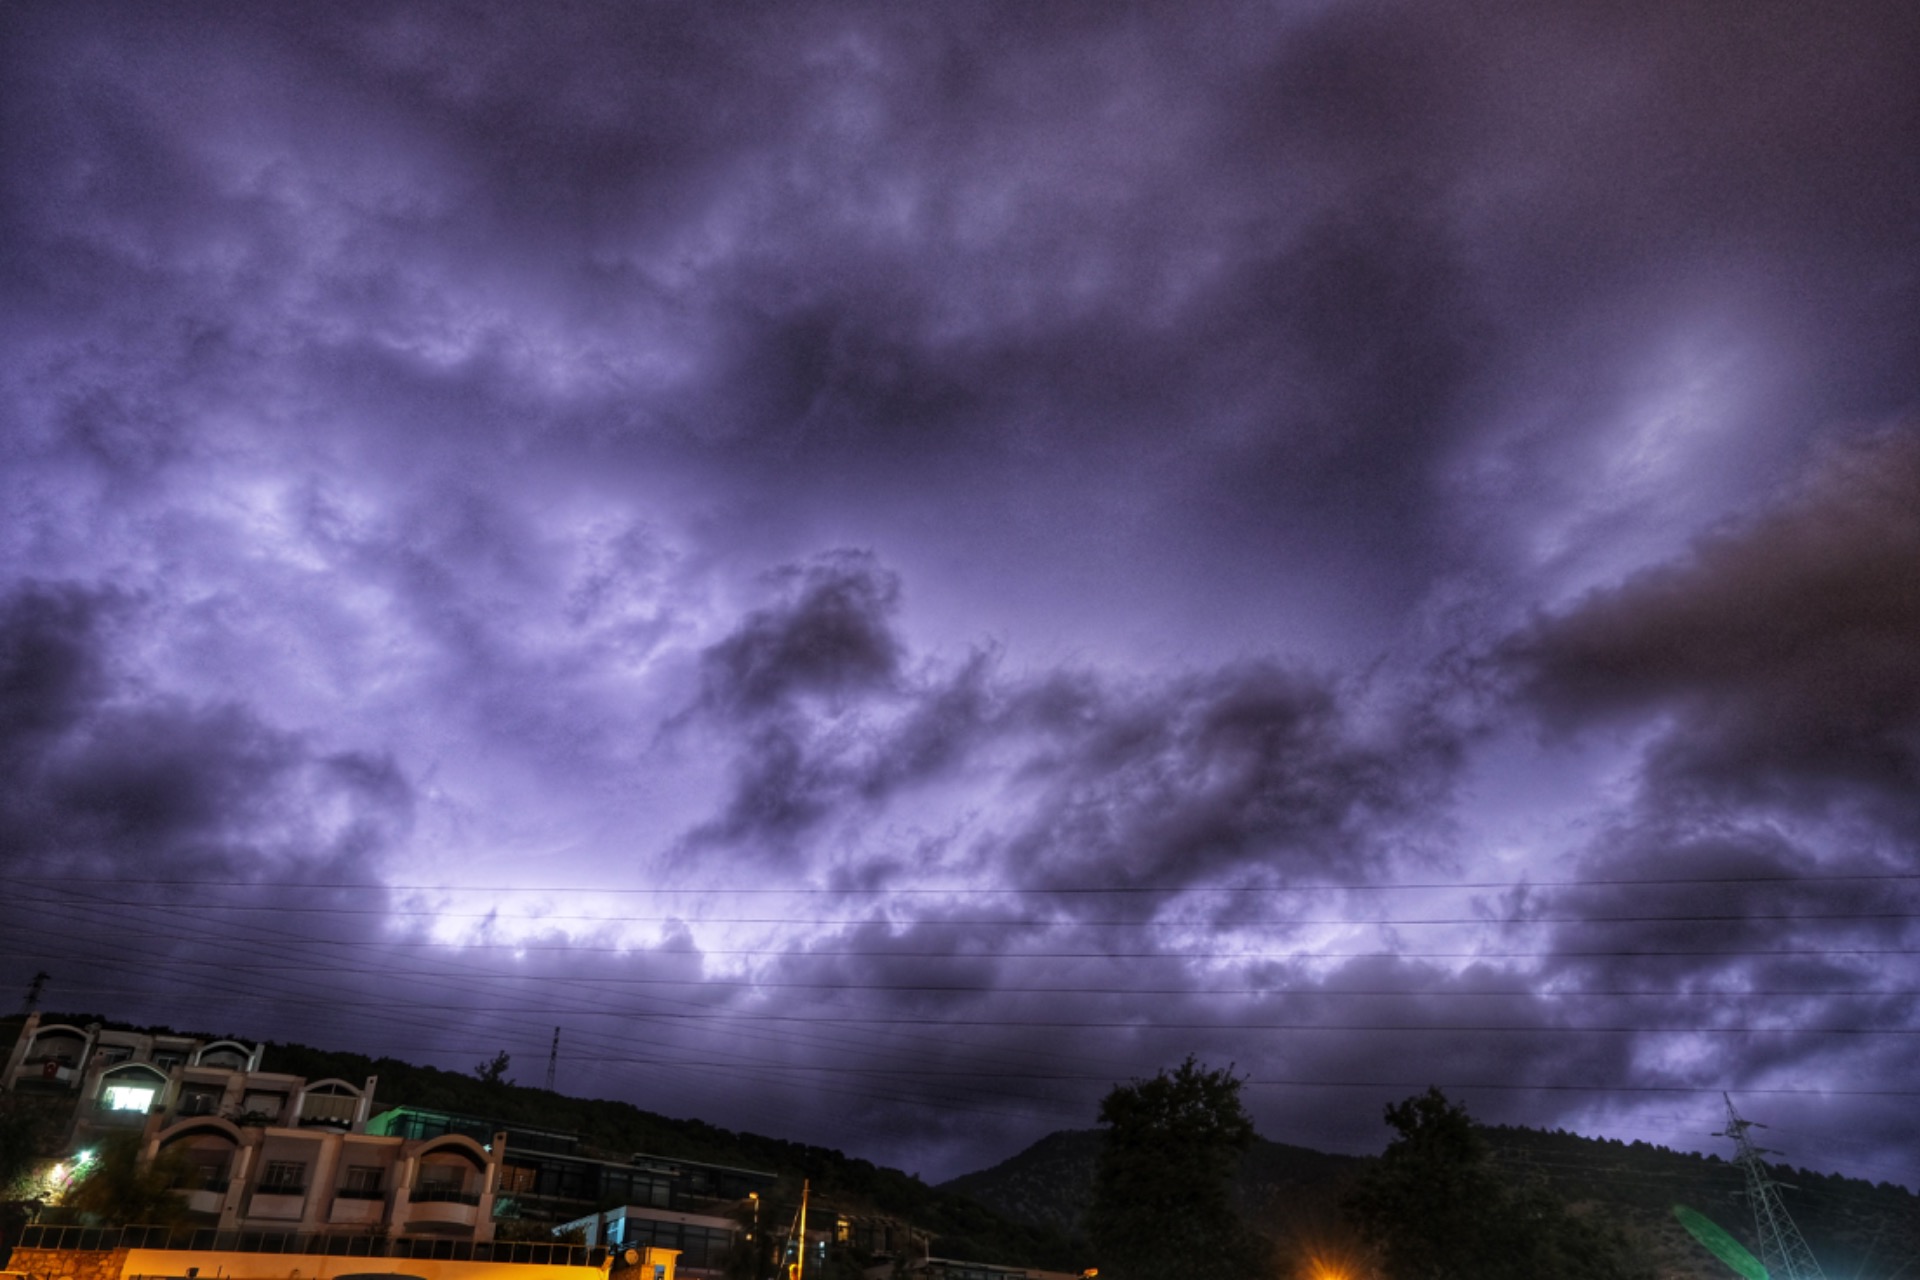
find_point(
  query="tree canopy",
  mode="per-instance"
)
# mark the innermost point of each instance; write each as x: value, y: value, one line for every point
x: 1435, y: 1208
x: 1162, y: 1196
x: 30, y: 1130
x: 116, y: 1188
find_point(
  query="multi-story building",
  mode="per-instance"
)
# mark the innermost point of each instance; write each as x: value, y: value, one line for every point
x: 701, y: 1210
x: 260, y: 1150
x: 58, y: 1058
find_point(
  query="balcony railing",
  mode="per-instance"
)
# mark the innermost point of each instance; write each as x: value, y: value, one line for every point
x: 359, y: 1193
x: 328, y: 1109
x: 203, y: 1182
x: 359, y: 1245
x: 108, y: 1116
x: 443, y: 1195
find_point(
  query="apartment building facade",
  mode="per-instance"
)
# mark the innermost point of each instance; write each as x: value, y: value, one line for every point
x: 258, y: 1150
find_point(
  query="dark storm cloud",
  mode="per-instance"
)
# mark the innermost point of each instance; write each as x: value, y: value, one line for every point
x: 831, y: 637
x: 916, y: 229
x: 102, y: 779
x: 1253, y: 770
x: 1764, y: 970
x: 117, y: 802
x: 401, y: 401
x: 1770, y: 676
x: 1251, y: 775
x: 1757, y: 913
x: 1412, y: 1013
x: 1784, y: 653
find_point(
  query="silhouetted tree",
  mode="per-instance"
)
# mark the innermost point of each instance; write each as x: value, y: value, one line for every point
x: 1435, y: 1209
x: 116, y: 1189
x: 29, y: 1135
x: 494, y: 1072
x: 1162, y: 1194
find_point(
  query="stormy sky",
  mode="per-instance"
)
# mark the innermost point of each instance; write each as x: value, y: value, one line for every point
x: 886, y: 567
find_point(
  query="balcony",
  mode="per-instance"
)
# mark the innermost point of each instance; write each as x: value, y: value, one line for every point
x: 50, y: 1071
x: 207, y: 1199
x: 458, y: 1211
x: 108, y: 1116
x: 203, y: 1178
x: 278, y: 1203
x: 330, y: 1109
x: 353, y: 1208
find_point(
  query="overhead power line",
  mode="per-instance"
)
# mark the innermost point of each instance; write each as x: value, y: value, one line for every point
x: 715, y: 1055
x: 1017, y: 922
x: 958, y: 891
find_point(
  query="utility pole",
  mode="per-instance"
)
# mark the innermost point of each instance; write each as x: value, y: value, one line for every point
x: 553, y: 1058
x: 1783, y: 1250
x: 799, y: 1267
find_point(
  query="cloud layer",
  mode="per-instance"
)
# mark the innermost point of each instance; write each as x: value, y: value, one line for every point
x: 890, y: 568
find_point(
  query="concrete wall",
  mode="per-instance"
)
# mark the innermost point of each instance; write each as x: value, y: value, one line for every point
x: 69, y: 1264
x: 315, y: 1266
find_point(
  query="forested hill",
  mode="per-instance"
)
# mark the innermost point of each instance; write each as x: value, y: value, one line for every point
x: 1856, y: 1228
x: 1051, y: 1182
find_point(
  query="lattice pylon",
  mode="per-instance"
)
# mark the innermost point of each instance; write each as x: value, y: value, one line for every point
x: 1783, y: 1250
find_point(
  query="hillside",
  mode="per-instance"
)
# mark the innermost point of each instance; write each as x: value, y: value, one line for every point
x: 1051, y: 1183
x: 1856, y: 1229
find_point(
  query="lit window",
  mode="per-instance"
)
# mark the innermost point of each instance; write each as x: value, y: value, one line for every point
x: 129, y: 1097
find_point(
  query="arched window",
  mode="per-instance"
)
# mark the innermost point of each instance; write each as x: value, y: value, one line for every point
x: 130, y: 1088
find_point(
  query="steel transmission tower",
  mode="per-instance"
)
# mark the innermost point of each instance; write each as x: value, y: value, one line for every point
x: 1783, y: 1249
